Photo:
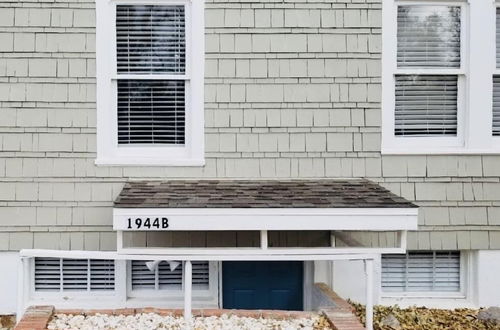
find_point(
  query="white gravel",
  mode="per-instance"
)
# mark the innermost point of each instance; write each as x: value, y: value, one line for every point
x: 155, y: 321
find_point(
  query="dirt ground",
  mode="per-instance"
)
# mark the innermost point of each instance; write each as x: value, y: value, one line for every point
x: 421, y: 318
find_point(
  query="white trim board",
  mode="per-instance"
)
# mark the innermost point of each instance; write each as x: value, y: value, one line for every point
x: 361, y: 219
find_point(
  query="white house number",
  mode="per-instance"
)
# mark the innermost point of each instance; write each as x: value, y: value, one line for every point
x: 147, y: 223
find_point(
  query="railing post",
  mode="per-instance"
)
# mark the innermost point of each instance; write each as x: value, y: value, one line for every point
x: 369, y: 293
x: 263, y: 240
x: 188, y: 285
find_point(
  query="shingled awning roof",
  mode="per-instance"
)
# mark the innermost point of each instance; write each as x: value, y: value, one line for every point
x: 258, y: 194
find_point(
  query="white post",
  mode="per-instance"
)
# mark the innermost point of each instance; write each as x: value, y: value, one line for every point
x: 20, y: 289
x: 188, y: 285
x: 369, y: 293
x: 263, y: 240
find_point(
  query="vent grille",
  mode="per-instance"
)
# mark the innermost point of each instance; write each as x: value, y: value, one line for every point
x: 428, y: 36
x: 151, y: 112
x: 150, y: 39
x: 496, y: 105
x: 421, y: 272
x: 165, y: 279
x: 54, y: 274
x: 426, y: 105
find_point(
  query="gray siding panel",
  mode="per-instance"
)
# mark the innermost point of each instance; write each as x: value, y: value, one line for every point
x: 292, y: 90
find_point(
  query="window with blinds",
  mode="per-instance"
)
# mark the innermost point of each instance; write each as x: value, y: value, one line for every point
x: 436, y: 271
x: 163, y: 278
x: 55, y: 274
x: 151, y: 73
x: 496, y: 82
x: 428, y: 46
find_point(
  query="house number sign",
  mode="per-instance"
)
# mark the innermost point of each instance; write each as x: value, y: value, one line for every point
x: 154, y: 223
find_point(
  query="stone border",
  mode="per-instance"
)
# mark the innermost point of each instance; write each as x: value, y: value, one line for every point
x: 339, y: 312
x: 35, y: 318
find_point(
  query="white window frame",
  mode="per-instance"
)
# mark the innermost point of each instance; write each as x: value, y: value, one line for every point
x: 108, y: 150
x: 478, y: 62
x: 462, y: 294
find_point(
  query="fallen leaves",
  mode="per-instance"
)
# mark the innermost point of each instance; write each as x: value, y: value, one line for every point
x: 421, y: 318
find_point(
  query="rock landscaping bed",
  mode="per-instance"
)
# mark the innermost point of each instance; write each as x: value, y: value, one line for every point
x: 421, y: 318
x: 155, y: 321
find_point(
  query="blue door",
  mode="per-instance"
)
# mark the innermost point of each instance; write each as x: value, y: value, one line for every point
x: 262, y: 285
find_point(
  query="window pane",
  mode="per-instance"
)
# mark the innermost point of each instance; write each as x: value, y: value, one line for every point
x: 496, y: 105
x: 498, y: 37
x: 428, y: 36
x: 426, y: 105
x: 421, y: 272
x: 151, y: 112
x: 150, y: 39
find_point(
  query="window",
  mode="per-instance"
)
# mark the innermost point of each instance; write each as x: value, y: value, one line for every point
x: 150, y: 82
x: 55, y: 274
x: 496, y: 81
x: 437, y: 60
x: 418, y: 271
x: 165, y: 282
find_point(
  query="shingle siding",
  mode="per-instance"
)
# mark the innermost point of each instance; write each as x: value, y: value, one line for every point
x: 292, y: 90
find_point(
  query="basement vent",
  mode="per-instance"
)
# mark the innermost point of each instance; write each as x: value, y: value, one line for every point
x: 165, y: 279
x: 421, y: 272
x: 55, y: 274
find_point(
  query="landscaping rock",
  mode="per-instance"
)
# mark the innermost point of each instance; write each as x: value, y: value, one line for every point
x: 491, y: 314
x: 391, y: 321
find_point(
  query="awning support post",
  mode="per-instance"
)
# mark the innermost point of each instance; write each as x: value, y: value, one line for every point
x: 263, y: 240
x: 188, y: 285
x: 369, y: 293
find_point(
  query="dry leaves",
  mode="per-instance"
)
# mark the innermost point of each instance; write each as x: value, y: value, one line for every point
x: 421, y: 318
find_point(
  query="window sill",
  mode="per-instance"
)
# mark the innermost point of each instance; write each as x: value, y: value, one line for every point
x: 149, y: 162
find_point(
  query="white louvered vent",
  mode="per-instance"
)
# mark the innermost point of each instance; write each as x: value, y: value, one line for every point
x: 428, y: 36
x: 151, y: 112
x: 54, y: 274
x: 150, y: 39
x: 165, y: 279
x: 47, y: 274
x: 496, y: 105
x: 421, y: 272
x: 426, y: 105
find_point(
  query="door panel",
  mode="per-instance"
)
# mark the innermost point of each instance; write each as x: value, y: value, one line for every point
x: 263, y: 285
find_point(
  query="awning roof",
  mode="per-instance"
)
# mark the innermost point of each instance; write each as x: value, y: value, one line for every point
x: 259, y: 194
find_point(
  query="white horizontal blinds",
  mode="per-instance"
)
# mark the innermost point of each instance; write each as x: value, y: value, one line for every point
x: 55, y: 274
x: 151, y: 112
x: 421, y: 272
x: 496, y: 105
x: 151, y: 43
x: 427, y: 90
x: 75, y: 274
x: 47, y: 274
x: 169, y: 279
x: 498, y: 37
x: 426, y: 105
x: 201, y: 273
x: 428, y: 36
x: 102, y: 275
x: 163, y: 278
x: 141, y: 277
x: 150, y: 39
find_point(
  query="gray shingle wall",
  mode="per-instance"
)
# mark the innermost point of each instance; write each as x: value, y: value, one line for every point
x: 292, y: 90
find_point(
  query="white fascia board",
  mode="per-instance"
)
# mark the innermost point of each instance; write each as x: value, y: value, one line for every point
x: 211, y: 255
x: 200, y: 219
